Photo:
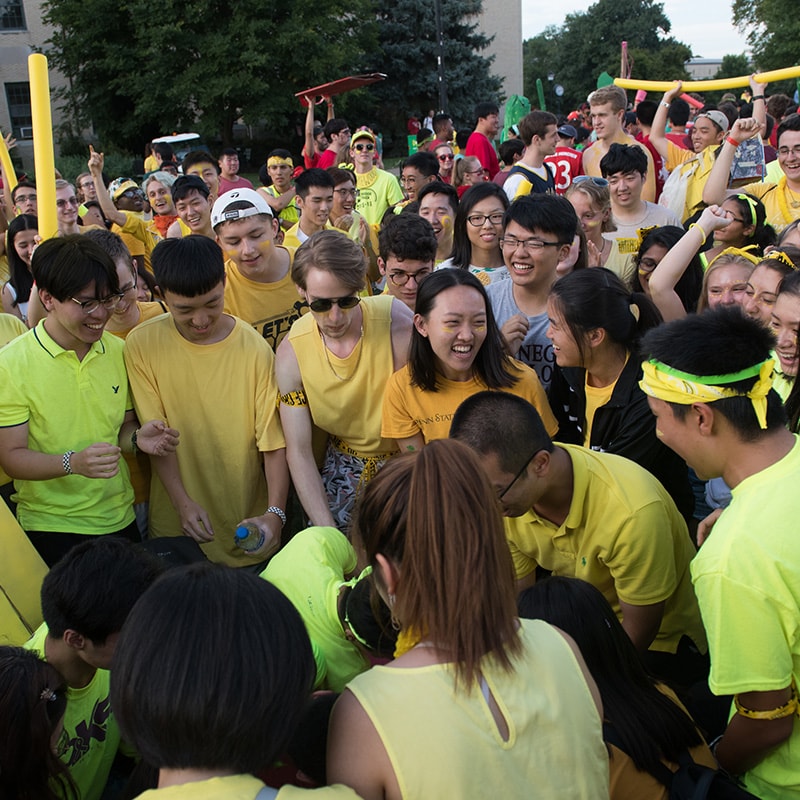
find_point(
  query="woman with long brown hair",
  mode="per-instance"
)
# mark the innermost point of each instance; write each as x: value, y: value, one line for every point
x: 478, y: 700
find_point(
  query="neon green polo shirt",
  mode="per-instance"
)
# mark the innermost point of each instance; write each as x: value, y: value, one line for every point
x: 68, y: 404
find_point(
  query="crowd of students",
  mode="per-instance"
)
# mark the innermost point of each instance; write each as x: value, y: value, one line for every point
x: 479, y: 431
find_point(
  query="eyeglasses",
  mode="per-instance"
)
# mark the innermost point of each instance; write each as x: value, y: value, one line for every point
x: 479, y: 220
x: 323, y: 304
x: 401, y: 278
x: 447, y: 157
x: 109, y: 303
x: 24, y: 198
x: 361, y: 147
x: 72, y: 201
x: 785, y: 151
x: 590, y: 179
x: 517, y: 476
x: 131, y: 287
x: 86, y: 185
x: 346, y: 192
x: 646, y: 265
x: 512, y: 243
x: 475, y: 171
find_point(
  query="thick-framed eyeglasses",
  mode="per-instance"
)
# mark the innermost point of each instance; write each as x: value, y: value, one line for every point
x: 402, y: 278
x: 512, y: 243
x: 479, y: 220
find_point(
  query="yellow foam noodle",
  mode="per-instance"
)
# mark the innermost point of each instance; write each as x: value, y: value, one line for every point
x: 710, y: 85
x: 21, y: 574
x: 43, y: 145
x: 8, y: 167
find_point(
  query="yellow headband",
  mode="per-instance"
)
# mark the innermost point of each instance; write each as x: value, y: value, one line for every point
x: 779, y: 255
x: 673, y: 386
x: 277, y: 161
x: 743, y: 252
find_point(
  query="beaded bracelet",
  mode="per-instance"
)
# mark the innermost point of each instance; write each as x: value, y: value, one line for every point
x: 278, y: 512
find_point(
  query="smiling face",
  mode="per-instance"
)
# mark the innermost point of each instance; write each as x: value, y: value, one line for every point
x: 704, y: 134
x: 740, y: 229
x: 412, y: 180
x: 127, y: 310
x: 24, y: 244
x: 344, y: 199
x: 761, y: 293
x: 789, y: 156
x: 486, y: 236
x: 315, y: 208
x: 248, y: 242
x: 195, y: 210
x: 785, y: 322
x: 437, y: 210
x: 69, y: 325
x: 66, y: 206
x: 456, y: 330
x: 647, y: 262
x: 199, y: 319
x: 446, y: 159
x: 531, y: 268
x: 207, y: 172
x: 565, y: 348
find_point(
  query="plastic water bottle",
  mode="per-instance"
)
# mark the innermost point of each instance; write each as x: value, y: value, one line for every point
x: 249, y: 537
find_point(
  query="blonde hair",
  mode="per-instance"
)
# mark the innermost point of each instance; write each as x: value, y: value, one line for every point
x: 722, y: 261
x: 599, y: 197
x: 463, y: 165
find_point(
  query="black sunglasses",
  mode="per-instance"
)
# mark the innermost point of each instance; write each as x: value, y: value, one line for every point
x: 323, y: 304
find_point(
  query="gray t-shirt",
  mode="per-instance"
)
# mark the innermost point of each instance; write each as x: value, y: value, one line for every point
x: 536, y: 349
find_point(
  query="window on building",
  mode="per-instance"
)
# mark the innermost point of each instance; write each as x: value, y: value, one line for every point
x: 12, y: 15
x: 18, y: 97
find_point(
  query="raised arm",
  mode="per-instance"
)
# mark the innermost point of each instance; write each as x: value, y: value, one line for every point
x: 658, y: 131
x: 110, y: 211
x: 8, y: 205
x: 670, y: 269
x: 717, y: 184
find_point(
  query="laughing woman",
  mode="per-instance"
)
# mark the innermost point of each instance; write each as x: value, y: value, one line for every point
x: 456, y: 351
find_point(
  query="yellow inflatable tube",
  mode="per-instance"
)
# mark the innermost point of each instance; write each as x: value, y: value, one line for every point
x: 711, y: 85
x: 43, y: 145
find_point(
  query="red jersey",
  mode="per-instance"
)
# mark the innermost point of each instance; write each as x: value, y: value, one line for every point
x: 567, y: 164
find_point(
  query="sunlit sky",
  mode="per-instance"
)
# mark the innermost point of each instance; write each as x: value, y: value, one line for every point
x: 705, y: 26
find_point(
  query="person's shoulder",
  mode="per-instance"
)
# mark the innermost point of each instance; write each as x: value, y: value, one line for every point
x: 499, y: 290
x: 149, y: 329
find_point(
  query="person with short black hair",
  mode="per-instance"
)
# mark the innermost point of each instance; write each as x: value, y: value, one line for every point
x: 438, y: 203
x: 407, y: 246
x: 480, y: 142
x: 210, y: 712
x: 538, y: 231
x: 625, y: 169
x: 64, y: 447
x: 531, y: 174
x: 709, y: 381
x: 23, y: 198
x: 442, y: 130
x: 281, y: 193
x: 200, y: 163
x: 510, y: 151
x: 416, y: 171
x: 198, y: 351
x: 337, y: 132
x: 86, y: 599
x: 229, y: 177
x: 626, y: 537
x: 192, y: 200
x: 314, y: 199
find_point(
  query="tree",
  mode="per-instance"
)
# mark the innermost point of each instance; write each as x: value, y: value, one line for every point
x: 135, y: 69
x: 407, y: 52
x: 772, y: 30
x: 733, y: 66
x: 589, y: 43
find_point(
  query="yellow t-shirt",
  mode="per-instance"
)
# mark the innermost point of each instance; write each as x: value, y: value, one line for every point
x: 624, y: 535
x: 349, y: 409
x: 270, y: 308
x: 138, y: 236
x: 777, y: 201
x: 10, y: 328
x: 221, y: 397
x: 242, y: 787
x: 409, y: 410
x: 146, y: 311
x: 676, y: 157
x: 68, y: 405
x: 292, y: 237
x: 595, y: 398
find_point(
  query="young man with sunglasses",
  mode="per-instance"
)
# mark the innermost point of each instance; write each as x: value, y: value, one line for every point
x: 595, y: 516
x: 377, y: 189
x: 66, y: 414
x: 332, y: 369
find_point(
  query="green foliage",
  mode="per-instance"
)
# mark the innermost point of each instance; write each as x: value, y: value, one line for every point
x: 733, y: 66
x: 137, y: 70
x: 116, y: 165
x: 772, y: 29
x: 407, y: 52
x: 589, y: 42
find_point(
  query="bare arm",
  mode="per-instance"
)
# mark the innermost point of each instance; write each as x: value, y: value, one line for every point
x: 8, y: 302
x: 649, y: 188
x: 110, y: 211
x: 641, y: 623
x: 717, y: 184
x: 297, y: 429
x: 658, y: 131
x: 747, y: 741
x: 759, y: 106
x: 308, y: 147
x: 8, y: 205
x: 402, y: 323
x: 194, y: 519
x: 670, y: 269
x: 174, y: 231
x: 411, y: 443
x: 277, y: 204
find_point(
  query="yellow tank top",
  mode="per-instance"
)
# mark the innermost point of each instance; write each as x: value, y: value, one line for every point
x: 349, y: 409
x: 446, y: 743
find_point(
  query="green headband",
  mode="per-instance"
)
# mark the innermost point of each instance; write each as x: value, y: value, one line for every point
x: 709, y: 380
